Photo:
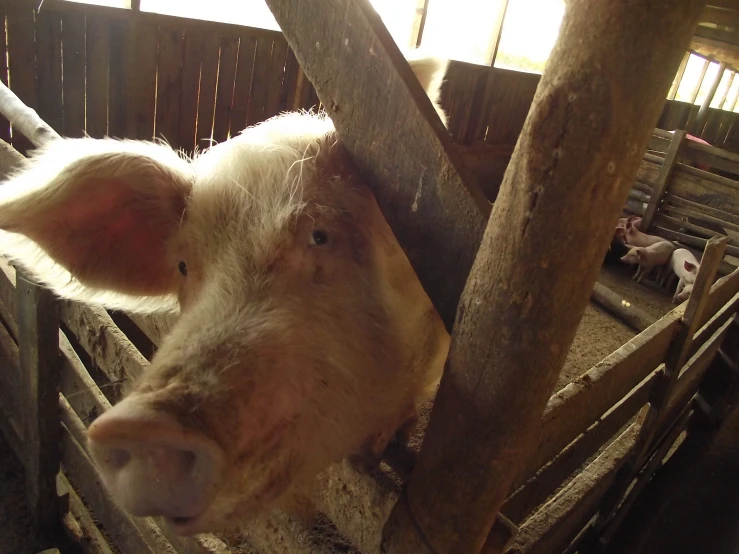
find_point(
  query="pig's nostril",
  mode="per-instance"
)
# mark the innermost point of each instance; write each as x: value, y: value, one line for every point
x: 117, y: 458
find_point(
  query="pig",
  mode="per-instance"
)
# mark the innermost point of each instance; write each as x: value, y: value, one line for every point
x: 649, y: 257
x: 304, y: 336
x: 683, y: 266
x: 634, y: 237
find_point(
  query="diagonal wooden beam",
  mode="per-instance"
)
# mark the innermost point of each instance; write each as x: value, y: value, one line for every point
x: 390, y: 129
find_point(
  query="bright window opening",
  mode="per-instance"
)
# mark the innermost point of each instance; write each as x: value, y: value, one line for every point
x: 691, y: 78
x: 253, y: 13
x: 722, y: 90
x: 399, y: 17
x: 731, y: 98
x: 462, y: 30
x: 529, y: 32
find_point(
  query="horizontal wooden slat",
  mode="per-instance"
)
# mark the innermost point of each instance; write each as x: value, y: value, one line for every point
x: 551, y: 476
x: 665, y: 220
x: 556, y: 523
x: 103, y: 341
x: 698, y: 215
x: 689, y: 240
x: 721, y: 292
x: 708, y: 210
x: 78, y: 387
x: 691, y: 374
x: 154, y: 326
x: 88, y: 535
x: 573, y: 409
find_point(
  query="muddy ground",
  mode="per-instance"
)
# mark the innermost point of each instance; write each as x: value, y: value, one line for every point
x: 599, y: 334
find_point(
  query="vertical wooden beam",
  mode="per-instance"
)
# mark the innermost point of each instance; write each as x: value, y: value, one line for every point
x: 660, y: 186
x: 700, y: 119
x: 528, y: 286
x: 38, y: 326
x: 679, y: 76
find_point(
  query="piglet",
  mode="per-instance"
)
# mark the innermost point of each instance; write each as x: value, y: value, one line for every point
x: 683, y: 266
x: 649, y: 257
x: 635, y: 237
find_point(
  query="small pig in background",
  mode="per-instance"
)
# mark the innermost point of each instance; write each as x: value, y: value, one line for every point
x: 634, y: 237
x: 684, y: 267
x: 649, y: 257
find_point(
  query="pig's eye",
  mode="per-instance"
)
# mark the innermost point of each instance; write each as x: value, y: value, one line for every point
x: 183, y: 268
x: 318, y: 237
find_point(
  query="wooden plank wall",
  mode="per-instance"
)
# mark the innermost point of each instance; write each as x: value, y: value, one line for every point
x: 105, y: 71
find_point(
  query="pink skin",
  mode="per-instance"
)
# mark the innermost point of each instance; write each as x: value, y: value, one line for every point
x: 648, y: 257
x: 635, y: 237
x: 684, y: 266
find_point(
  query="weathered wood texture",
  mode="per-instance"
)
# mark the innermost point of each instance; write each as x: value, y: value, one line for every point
x: 38, y: 327
x: 118, y: 69
x: 415, y: 175
x: 516, y: 287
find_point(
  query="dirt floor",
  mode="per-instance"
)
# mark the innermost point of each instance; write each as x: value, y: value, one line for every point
x: 599, y: 335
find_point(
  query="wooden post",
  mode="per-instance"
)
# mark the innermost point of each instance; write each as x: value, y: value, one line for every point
x: 679, y: 76
x: 700, y: 119
x: 38, y: 325
x: 676, y: 358
x: 660, y: 186
x: 529, y: 286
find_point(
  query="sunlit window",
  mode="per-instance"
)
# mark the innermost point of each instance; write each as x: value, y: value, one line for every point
x: 398, y: 16
x: 109, y: 3
x: 691, y: 78
x: 529, y: 32
x: 253, y: 13
x: 462, y: 30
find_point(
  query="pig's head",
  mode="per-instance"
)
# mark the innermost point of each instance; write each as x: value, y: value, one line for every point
x: 303, y: 333
x: 691, y: 272
x: 633, y: 256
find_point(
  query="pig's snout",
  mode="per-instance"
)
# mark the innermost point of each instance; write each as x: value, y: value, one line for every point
x: 154, y: 466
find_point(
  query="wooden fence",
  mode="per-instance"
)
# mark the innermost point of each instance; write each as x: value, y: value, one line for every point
x: 687, y: 192
x: 64, y: 363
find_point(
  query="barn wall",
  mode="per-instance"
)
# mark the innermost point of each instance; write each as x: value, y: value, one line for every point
x: 107, y: 71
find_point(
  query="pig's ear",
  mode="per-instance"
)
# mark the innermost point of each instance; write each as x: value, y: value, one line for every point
x: 689, y: 266
x: 430, y: 72
x: 640, y: 254
x: 104, y: 210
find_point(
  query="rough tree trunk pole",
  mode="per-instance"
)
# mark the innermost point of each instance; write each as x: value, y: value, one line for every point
x: 574, y: 163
